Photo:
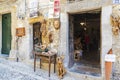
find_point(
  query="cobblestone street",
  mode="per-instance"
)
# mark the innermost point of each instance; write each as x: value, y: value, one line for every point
x: 11, y: 70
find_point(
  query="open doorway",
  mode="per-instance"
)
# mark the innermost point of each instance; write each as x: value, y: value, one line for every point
x: 36, y: 34
x: 84, y: 33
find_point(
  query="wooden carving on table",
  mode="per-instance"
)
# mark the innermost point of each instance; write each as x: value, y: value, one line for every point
x: 60, y: 67
x: 20, y: 32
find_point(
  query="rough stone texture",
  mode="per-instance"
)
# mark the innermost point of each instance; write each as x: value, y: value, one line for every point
x: 86, y: 5
x: 116, y: 50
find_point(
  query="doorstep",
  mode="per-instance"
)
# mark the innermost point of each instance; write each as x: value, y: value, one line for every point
x: 84, y: 76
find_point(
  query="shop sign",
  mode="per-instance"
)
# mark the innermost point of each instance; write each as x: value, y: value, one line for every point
x: 20, y: 31
x: 116, y: 1
x: 21, y: 10
x: 33, y: 8
x: 36, y: 19
x: 51, y: 9
x: 110, y: 58
x: 56, y: 8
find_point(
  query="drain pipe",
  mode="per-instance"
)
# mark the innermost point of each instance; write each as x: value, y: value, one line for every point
x: 109, y: 59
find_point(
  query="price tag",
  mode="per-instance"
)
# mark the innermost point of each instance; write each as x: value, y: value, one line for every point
x: 110, y: 57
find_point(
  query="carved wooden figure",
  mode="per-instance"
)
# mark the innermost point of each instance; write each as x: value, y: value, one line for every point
x: 60, y: 67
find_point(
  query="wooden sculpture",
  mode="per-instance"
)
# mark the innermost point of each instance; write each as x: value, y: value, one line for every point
x: 60, y: 67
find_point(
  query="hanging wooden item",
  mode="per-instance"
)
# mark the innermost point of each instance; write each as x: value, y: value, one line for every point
x: 57, y: 24
x: 115, y: 22
x: 20, y: 32
x: 60, y: 67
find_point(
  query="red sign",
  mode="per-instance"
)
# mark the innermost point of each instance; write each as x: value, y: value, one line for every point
x: 56, y: 8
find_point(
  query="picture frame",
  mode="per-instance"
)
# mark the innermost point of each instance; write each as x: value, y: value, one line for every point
x: 20, y: 31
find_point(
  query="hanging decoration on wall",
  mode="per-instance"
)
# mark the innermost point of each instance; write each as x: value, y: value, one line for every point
x: 51, y: 9
x: 20, y: 31
x: 115, y: 22
x: 21, y: 10
x: 33, y: 8
x: 56, y: 8
x: 56, y: 24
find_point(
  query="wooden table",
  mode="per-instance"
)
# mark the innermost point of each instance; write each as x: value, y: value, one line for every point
x: 46, y: 57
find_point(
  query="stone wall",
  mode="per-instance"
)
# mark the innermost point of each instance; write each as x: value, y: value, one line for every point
x: 6, y: 8
x: 116, y: 49
x: 86, y: 5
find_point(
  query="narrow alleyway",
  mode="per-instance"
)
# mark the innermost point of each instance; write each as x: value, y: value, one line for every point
x: 11, y: 70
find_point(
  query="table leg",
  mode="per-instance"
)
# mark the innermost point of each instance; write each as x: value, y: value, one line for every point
x: 34, y: 62
x: 40, y: 63
x: 54, y: 63
x: 49, y: 65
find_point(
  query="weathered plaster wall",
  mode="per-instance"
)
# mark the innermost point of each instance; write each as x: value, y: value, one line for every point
x: 64, y: 37
x: 106, y: 35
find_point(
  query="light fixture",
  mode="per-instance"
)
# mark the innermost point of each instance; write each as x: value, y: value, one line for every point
x: 82, y: 23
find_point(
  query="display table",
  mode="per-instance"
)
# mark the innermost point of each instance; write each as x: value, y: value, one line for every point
x: 50, y: 57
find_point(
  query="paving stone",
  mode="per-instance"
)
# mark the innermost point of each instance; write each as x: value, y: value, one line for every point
x: 11, y: 70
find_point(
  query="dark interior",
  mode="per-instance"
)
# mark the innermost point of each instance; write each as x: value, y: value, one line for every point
x: 36, y: 34
x: 86, y: 41
x: 89, y: 34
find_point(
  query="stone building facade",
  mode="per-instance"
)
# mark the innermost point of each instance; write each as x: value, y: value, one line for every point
x: 25, y: 43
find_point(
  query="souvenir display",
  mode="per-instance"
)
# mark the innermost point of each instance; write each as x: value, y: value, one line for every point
x: 60, y: 67
x: 42, y: 48
x: 56, y: 24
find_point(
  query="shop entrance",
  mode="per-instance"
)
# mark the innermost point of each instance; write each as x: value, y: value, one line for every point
x: 84, y: 42
x: 36, y: 34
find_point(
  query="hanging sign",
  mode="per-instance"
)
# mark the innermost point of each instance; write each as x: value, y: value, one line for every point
x: 56, y: 8
x: 110, y: 58
x: 36, y: 19
x: 21, y: 10
x: 116, y: 1
x: 51, y: 9
x: 33, y: 8
x: 20, y: 31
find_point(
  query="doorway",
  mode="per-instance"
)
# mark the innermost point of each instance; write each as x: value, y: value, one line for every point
x: 6, y: 33
x: 36, y: 34
x: 84, y: 39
